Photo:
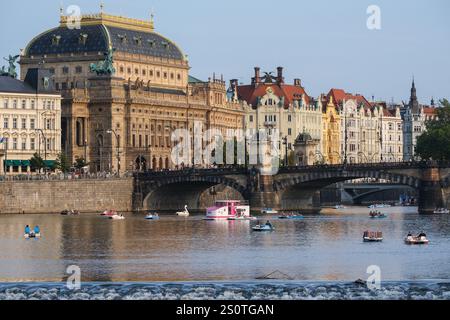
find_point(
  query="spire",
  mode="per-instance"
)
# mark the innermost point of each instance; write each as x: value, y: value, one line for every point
x: 413, y: 103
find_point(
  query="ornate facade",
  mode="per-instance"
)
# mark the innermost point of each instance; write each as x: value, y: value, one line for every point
x: 331, y: 132
x: 30, y: 121
x: 414, y: 117
x: 272, y: 104
x: 119, y: 111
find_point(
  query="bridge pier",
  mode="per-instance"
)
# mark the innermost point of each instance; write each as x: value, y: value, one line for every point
x: 430, y: 191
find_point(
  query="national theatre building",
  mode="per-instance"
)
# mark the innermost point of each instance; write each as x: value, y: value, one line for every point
x: 125, y: 88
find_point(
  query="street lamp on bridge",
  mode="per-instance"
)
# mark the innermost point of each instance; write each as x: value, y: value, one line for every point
x: 117, y: 149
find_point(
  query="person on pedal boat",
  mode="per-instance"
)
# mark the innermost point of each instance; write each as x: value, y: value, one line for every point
x: 27, y: 229
x: 37, y: 230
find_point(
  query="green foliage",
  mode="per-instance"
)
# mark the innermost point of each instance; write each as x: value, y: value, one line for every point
x: 80, y: 163
x: 434, y: 144
x: 36, y: 162
x: 62, y: 163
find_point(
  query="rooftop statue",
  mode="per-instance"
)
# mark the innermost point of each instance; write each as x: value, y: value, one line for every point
x: 105, y: 67
x: 11, y: 68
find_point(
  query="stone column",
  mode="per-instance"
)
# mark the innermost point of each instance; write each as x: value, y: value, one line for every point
x: 430, y: 191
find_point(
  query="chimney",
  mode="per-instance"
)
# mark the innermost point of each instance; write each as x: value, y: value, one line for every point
x: 297, y: 82
x: 280, y: 78
x: 257, y: 78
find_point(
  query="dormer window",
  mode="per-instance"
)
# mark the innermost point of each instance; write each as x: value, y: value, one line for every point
x: 165, y: 44
x: 151, y: 43
x: 82, y: 38
x: 122, y: 37
x: 137, y: 40
x: 55, y: 40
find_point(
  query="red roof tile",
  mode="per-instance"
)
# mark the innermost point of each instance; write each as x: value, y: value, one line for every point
x: 340, y: 95
x: 250, y: 93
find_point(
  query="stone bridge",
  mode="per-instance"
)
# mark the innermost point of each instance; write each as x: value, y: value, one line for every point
x: 292, y: 188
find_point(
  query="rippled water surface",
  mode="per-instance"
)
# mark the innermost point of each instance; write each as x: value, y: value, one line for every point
x: 325, y: 247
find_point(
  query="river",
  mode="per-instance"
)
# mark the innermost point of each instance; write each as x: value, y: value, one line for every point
x: 320, y: 250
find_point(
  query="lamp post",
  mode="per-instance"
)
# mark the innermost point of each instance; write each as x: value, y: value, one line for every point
x: 285, y: 143
x: 117, y: 149
x: 45, y: 147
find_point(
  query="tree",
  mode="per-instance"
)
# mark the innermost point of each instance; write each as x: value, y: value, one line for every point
x: 37, y: 163
x: 80, y: 163
x: 62, y: 163
x: 434, y: 143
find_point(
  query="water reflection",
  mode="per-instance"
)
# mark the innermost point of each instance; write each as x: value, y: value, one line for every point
x: 321, y: 247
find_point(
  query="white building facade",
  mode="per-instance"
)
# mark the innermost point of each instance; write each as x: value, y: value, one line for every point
x: 30, y: 122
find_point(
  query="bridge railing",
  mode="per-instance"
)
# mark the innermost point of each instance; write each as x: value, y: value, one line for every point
x: 193, y: 171
x: 290, y: 169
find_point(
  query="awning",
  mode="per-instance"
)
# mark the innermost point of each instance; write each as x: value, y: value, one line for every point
x: 17, y: 163
x: 49, y: 163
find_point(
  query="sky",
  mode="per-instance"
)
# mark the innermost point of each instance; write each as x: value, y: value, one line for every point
x: 325, y: 43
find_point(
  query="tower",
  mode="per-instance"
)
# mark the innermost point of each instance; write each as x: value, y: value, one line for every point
x: 413, y: 102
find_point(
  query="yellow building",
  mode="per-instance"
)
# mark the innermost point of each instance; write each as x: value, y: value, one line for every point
x: 331, y: 132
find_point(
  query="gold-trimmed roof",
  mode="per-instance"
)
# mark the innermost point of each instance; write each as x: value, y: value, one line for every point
x: 110, y: 20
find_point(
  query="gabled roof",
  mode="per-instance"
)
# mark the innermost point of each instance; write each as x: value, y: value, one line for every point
x: 250, y: 93
x: 340, y: 95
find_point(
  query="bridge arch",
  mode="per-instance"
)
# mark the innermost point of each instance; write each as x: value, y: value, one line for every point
x: 198, y: 192
x: 302, y: 190
x: 321, y: 179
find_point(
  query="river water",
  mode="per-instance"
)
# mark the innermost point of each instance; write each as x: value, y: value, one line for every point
x: 321, y: 251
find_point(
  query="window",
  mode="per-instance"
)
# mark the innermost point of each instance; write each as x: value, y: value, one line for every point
x: 32, y: 144
x: 129, y: 70
x: 172, y: 76
x: 48, y: 124
x: 6, y: 103
x: 151, y: 73
x: 134, y: 140
x: 14, y: 143
x: 136, y: 71
x: 158, y: 74
x: 15, y: 104
x: 251, y: 118
x: 65, y: 70
x: 15, y: 123
x: 24, y: 144
x: 289, y: 118
x: 144, y: 72
x: 32, y: 104
x: 6, y: 123
x: 79, y: 69
x: 179, y: 76
x: 32, y: 124
x: 24, y: 123
x: 24, y: 104
x: 165, y: 75
x: 121, y: 69
x: 290, y: 131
